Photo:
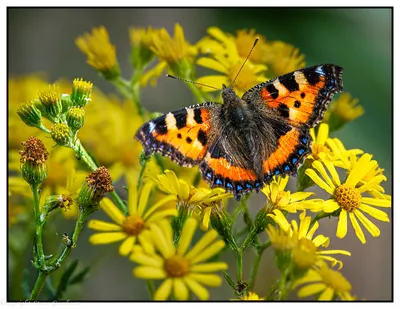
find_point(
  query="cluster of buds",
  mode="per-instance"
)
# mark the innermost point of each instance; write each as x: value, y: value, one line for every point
x: 65, y: 111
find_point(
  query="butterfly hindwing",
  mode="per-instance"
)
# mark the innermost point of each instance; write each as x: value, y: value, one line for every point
x: 301, y: 97
x: 180, y: 135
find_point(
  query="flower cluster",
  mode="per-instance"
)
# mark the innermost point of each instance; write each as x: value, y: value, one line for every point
x: 168, y: 222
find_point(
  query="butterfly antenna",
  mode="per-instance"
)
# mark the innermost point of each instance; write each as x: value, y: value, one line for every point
x: 191, y: 82
x: 254, y: 45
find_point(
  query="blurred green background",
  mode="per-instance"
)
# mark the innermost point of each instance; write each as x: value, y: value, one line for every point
x: 359, y: 40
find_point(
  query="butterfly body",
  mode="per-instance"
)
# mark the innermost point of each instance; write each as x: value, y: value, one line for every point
x: 240, y: 144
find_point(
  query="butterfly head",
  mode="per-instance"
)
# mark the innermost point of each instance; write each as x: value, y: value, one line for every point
x: 228, y: 94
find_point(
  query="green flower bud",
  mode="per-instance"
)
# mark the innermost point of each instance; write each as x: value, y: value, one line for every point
x: 30, y: 115
x: 61, y: 134
x: 51, y: 102
x: 75, y: 118
x: 222, y: 222
x: 93, y: 190
x: 66, y: 102
x: 33, y: 158
x: 57, y: 201
x: 81, y: 92
x: 178, y: 222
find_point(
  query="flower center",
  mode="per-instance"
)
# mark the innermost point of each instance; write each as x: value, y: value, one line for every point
x: 176, y: 266
x: 304, y: 255
x: 348, y: 197
x: 335, y: 280
x: 133, y: 225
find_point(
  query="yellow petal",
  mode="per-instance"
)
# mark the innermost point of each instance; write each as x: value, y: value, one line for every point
x: 341, y: 230
x: 186, y: 236
x: 332, y: 260
x: 212, y: 80
x: 359, y: 170
x: 147, y: 260
x: 164, y: 290
x: 370, y: 184
x: 209, y: 267
x: 158, y: 215
x: 181, y: 292
x: 376, y: 213
x: 146, y: 242
x: 312, y: 230
x: 330, y: 206
x: 371, y: 227
x: 327, y: 294
x: 161, y: 241
x: 106, y: 238
x: 283, y: 182
x: 310, y: 276
x: 332, y: 170
x: 314, y: 177
x: 207, y: 239
x: 304, y: 225
x: 320, y: 168
x: 99, y: 225
x: 323, y: 132
x: 206, y: 218
x: 112, y: 211
x: 126, y: 247
x: 197, y: 289
x: 209, y: 252
x: 280, y: 219
x: 344, y: 252
x: 147, y: 272
x: 206, y: 279
x: 132, y: 198
x: 311, y: 289
x: 357, y: 228
x: 376, y: 202
x: 299, y: 196
x: 321, y: 240
x: 144, y: 197
x: 160, y: 203
x: 212, y: 64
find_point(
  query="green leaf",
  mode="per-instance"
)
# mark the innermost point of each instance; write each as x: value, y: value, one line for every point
x: 80, y: 277
x: 65, y: 278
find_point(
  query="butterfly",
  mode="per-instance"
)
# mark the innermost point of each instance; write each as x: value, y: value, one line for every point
x: 241, y: 144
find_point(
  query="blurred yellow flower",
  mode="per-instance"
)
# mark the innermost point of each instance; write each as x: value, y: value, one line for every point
x: 346, y: 198
x: 252, y: 296
x: 128, y: 227
x: 142, y: 37
x: 100, y: 52
x: 325, y: 283
x: 304, y: 247
x: 181, y: 269
x: 278, y: 198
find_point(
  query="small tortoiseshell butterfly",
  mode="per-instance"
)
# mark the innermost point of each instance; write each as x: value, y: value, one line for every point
x: 240, y: 144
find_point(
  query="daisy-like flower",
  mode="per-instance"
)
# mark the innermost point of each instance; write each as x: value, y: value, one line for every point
x: 127, y: 228
x: 100, y: 52
x: 181, y: 269
x: 343, y: 110
x: 199, y: 202
x: 252, y: 296
x: 347, y: 198
x: 278, y: 198
x: 325, y: 284
x: 304, y: 247
x: 229, y: 64
x: 175, y: 53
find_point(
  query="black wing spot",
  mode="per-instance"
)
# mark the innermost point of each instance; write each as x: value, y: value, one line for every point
x: 272, y: 91
x: 202, y: 137
x: 161, y: 126
x: 189, y: 140
x: 179, y: 135
x: 312, y: 77
x: 302, y: 95
x: 297, y: 104
x: 197, y: 116
x: 289, y: 82
x: 283, y: 110
x: 181, y: 119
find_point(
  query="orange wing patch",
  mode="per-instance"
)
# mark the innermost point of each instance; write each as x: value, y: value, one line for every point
x: 224, y: 169
x: 292, y: 148
x: 180, y: 135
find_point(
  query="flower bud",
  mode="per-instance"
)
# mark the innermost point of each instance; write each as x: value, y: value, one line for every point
x: 51, y: 102
x: 81, y: 92
x: 75, y: 118
x: 222, y: 222
x: 30, y: 115
x: 66, y: 102
x: 57, y: 201
x: 33, y: 158
x: 93, y: 190
x: 61, y: 134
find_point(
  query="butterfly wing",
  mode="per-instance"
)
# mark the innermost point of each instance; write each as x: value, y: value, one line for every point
x: 181, y: 135
x: 300, y: 98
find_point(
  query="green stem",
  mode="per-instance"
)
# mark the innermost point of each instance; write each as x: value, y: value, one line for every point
x: 39, y: 284
x: 150, y: 288
x: 80, y: 223
x: 39, y: 225
x: 123, y: 87
x: 255, y: 269
x: 135, y: 88
x: 319, y: 216
x: 239, y: 254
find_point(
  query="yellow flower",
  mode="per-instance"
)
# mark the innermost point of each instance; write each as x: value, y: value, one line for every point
x: 305, y: 247
x: 100, y: 52
x: 342, y: 110
x: 229, y: 64
x: 181, y: 269
x: 278, y: 198
x: 284, y: 58
x: 347, y: 199
x: 129, y: 227
x: 325, y: 283
x: 333, y: 148
x: 176, y: 53
x: 252, y: 296
x: 244, y: 40
x: 199, y: 201
x: 142, y: 37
